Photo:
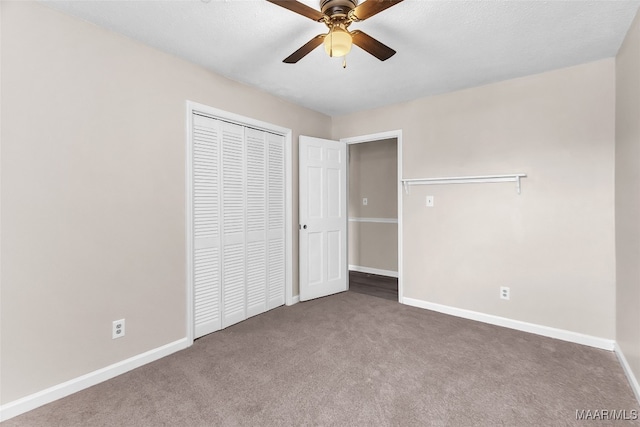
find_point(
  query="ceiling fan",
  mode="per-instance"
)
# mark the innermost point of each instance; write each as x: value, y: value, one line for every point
x: 337, y: 15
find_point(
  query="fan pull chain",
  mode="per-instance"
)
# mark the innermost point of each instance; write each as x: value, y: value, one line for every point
x: 344, y: 61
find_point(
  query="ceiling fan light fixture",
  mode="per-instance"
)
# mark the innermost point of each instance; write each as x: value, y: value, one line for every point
x: 338, y: 42
x: 338, y: 15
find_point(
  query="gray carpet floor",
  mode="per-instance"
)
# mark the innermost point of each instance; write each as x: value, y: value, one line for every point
x: 353, y: 359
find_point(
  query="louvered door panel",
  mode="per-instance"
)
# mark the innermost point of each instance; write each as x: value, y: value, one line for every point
x: 233, y: 178
x: 238, y: 222
x: 275, y: 221
x: 256, y: 278
x: 207, y: 290
x: 276, y: 275
x: 233, y: 225
x: 256, y: 221
x: 276, y: 181
x: 206, y: 226
x: 256, y: 181
x: 233, y: 286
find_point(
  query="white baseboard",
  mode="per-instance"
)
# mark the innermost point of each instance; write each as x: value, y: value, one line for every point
x: 59, y: 391
x: 561, y: 334
x: 294, y: 300
x: 370, y: 270
x: 633, y: 381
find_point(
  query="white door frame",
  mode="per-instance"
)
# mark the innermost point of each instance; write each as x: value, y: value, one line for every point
x: 193, y: 107
x: 397, y: 134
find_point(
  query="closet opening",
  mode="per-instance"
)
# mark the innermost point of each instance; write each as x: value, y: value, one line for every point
x: 238, y: 218
x: 373, y: 218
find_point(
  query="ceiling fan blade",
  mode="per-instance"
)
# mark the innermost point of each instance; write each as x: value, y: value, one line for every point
x: 371, y: 45
x: 300, y: 8
x: 370, y: 8
x: 305, y: 49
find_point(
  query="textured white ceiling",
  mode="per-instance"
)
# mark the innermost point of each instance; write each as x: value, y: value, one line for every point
x: 442, y: 45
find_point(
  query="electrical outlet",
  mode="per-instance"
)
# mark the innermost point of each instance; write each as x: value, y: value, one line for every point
x: 118, y: 329
x: 364, y: 201
x: 505, y: 292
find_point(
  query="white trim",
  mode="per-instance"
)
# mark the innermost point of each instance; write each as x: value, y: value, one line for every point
x: 400, y: 216
x: 370, y: 270
x: 237, y: 118
x: 376, y: 220
x: 397, y: 134
x: 372, y: 137
x: 288, y: 223
x: 294, y: 300
x: 193, y: 107
x: 188, y: 199
x: 75, y: 385
x: 561, y: 334
x: 633, y: 381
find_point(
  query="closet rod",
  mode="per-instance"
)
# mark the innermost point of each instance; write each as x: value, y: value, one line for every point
x: 465, y: 180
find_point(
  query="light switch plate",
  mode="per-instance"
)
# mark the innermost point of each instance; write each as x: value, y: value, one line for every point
x: 430, y: 201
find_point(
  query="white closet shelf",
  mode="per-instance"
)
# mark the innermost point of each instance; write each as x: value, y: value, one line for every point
x: 515, y: 177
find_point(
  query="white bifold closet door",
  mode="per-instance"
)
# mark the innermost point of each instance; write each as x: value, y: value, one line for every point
x: 238, y: 219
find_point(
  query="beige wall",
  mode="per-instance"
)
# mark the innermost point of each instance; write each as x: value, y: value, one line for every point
x: 628, y: 197
x: 373, y: 245
x: 93, y: 192
x: 373, y: 173
x: 554, y: 244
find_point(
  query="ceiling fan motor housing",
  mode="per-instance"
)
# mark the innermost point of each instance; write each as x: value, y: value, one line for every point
x: 337, y: 8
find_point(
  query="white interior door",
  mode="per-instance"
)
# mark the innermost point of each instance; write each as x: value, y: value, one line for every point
x: 323, y: 217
